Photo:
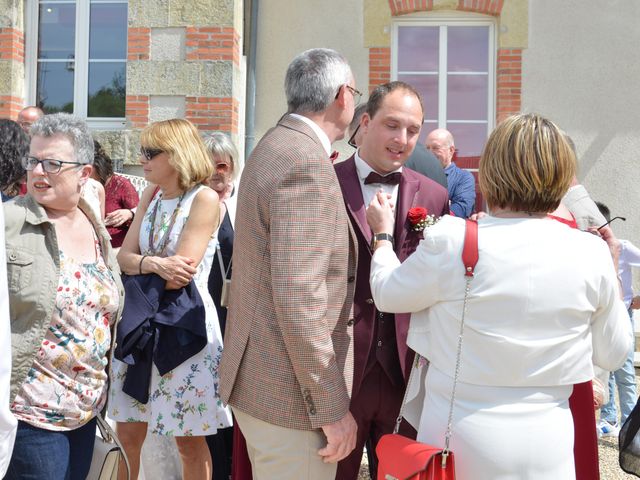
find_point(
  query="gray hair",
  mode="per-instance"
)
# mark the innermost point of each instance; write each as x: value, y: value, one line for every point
x: 220, y: 145
x: 70, y: 126
x: 313, y: 79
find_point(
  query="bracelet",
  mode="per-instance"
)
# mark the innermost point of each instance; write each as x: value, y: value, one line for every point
x: 133, y: 214
x: 140, y: 265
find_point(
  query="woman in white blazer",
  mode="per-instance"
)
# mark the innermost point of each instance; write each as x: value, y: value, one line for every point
x: 543, y: 308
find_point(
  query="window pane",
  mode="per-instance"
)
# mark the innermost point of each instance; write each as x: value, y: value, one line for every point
x: 427, y: 127
x: 106, y: 89
x: 57, y: 30
x: 469, y: 139
x: 427, y: 85
x: 108, y: 31
x: 55, y: 86
x: 467, y: 97
x: 418, y: 49
x: 468, y: 49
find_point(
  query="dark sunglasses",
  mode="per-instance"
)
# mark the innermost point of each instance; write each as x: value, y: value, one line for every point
x: 149, y: 153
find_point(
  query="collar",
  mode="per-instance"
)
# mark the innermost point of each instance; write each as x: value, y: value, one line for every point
x: 36, y: 214
x: 364, y: 169
x: 324, y: 139
x: 449, y: 167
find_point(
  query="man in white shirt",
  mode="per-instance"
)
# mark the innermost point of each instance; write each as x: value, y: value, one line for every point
x: 625, y: 376
x: 8, y: 423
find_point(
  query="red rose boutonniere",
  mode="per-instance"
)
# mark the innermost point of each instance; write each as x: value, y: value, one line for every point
x: 419, y: 219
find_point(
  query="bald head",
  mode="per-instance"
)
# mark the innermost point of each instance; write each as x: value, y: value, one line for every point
x: 440, y: 143
x: 29, y: 115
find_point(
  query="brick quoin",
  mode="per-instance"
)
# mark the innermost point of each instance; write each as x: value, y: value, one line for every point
x: 213, y: 113
x: 138, y: 41
x: 213, y: 43
x: 12, y: 49
x: 379, y: 66
x: 509, y: 82
x: 137, y: 110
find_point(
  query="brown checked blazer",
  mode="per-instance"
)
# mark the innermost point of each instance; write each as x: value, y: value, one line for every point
x: 287, y: 356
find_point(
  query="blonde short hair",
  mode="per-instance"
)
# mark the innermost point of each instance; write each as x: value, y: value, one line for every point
x: 526, y: 165
x: 187, y: 154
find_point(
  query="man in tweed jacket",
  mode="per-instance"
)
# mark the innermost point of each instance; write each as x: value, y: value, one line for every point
x: 287, y: 363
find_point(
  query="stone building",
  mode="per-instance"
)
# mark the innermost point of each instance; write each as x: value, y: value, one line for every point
x: 122, y: 64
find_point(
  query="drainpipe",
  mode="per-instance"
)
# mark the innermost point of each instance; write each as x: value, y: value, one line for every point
x: 250, y: 112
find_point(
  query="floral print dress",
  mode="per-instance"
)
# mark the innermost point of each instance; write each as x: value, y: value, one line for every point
x: 66, y: 386
x: 184, y: 401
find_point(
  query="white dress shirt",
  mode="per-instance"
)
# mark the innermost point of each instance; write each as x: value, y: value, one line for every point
x: 544, y: 304
x: 369, y: 191
x: 629, y: 257
x: 8, y: 422
x: 322, y: 136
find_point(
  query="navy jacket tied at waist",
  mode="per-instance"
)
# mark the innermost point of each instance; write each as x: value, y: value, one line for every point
x: 163, y: 327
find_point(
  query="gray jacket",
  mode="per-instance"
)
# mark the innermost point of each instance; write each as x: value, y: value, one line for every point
x: 33, y: 270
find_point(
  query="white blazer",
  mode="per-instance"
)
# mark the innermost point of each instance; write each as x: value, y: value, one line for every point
x: 544, y: 304
x: 8, y: 422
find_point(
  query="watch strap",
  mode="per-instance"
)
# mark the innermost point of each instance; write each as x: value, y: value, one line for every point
x: 380, y: 236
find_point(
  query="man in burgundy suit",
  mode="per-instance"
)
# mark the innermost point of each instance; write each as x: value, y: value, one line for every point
x: 382, y: 360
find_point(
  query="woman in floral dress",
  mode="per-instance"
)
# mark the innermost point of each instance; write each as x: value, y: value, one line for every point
x: 64, y: 295
x: 172, y: 235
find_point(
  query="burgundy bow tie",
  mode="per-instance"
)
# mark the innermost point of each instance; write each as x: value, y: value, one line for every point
x: 334, y: 156
x: 390, y: 179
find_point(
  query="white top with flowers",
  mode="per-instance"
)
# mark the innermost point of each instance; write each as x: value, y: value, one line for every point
x: 66, y: 385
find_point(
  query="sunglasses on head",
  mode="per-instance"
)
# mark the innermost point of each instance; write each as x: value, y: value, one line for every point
x: 149, y: 153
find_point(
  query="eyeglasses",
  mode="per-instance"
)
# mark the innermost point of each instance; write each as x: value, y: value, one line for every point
x: 614, y: 218
x: 357, y: 95
x: 49, y: 165
x: 352, y: 138
x: 149, y: 153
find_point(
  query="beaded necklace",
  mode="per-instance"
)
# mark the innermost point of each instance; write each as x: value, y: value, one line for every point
x: 159, y: 251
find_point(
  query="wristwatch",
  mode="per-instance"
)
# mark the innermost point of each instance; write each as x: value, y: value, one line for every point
x: 380, y: 236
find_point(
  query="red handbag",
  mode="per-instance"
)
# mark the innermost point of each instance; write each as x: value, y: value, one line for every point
x: 401, y: 458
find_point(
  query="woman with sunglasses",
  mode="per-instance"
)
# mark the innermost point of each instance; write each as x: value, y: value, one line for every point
x: 65, y: 298
x: 172, y: 236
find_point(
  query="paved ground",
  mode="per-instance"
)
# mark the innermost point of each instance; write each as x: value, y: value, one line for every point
x: 609, y: 468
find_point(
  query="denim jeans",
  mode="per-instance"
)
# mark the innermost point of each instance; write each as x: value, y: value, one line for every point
x: 40, y: 454
x: 625, y: 379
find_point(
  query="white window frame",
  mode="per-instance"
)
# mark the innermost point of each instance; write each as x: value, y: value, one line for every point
x: 81, y: 64
x: 440, y: 19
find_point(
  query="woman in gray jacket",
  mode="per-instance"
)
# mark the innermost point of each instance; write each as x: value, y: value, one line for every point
x: 65, y: 297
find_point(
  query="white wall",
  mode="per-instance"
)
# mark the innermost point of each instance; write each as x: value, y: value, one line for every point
x: 286, y: 28
x: 582, y: 70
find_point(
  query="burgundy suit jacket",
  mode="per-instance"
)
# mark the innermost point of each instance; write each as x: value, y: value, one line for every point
x: 415, y: 190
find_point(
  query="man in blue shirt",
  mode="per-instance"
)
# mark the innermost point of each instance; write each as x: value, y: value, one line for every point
x: 461, y: 184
